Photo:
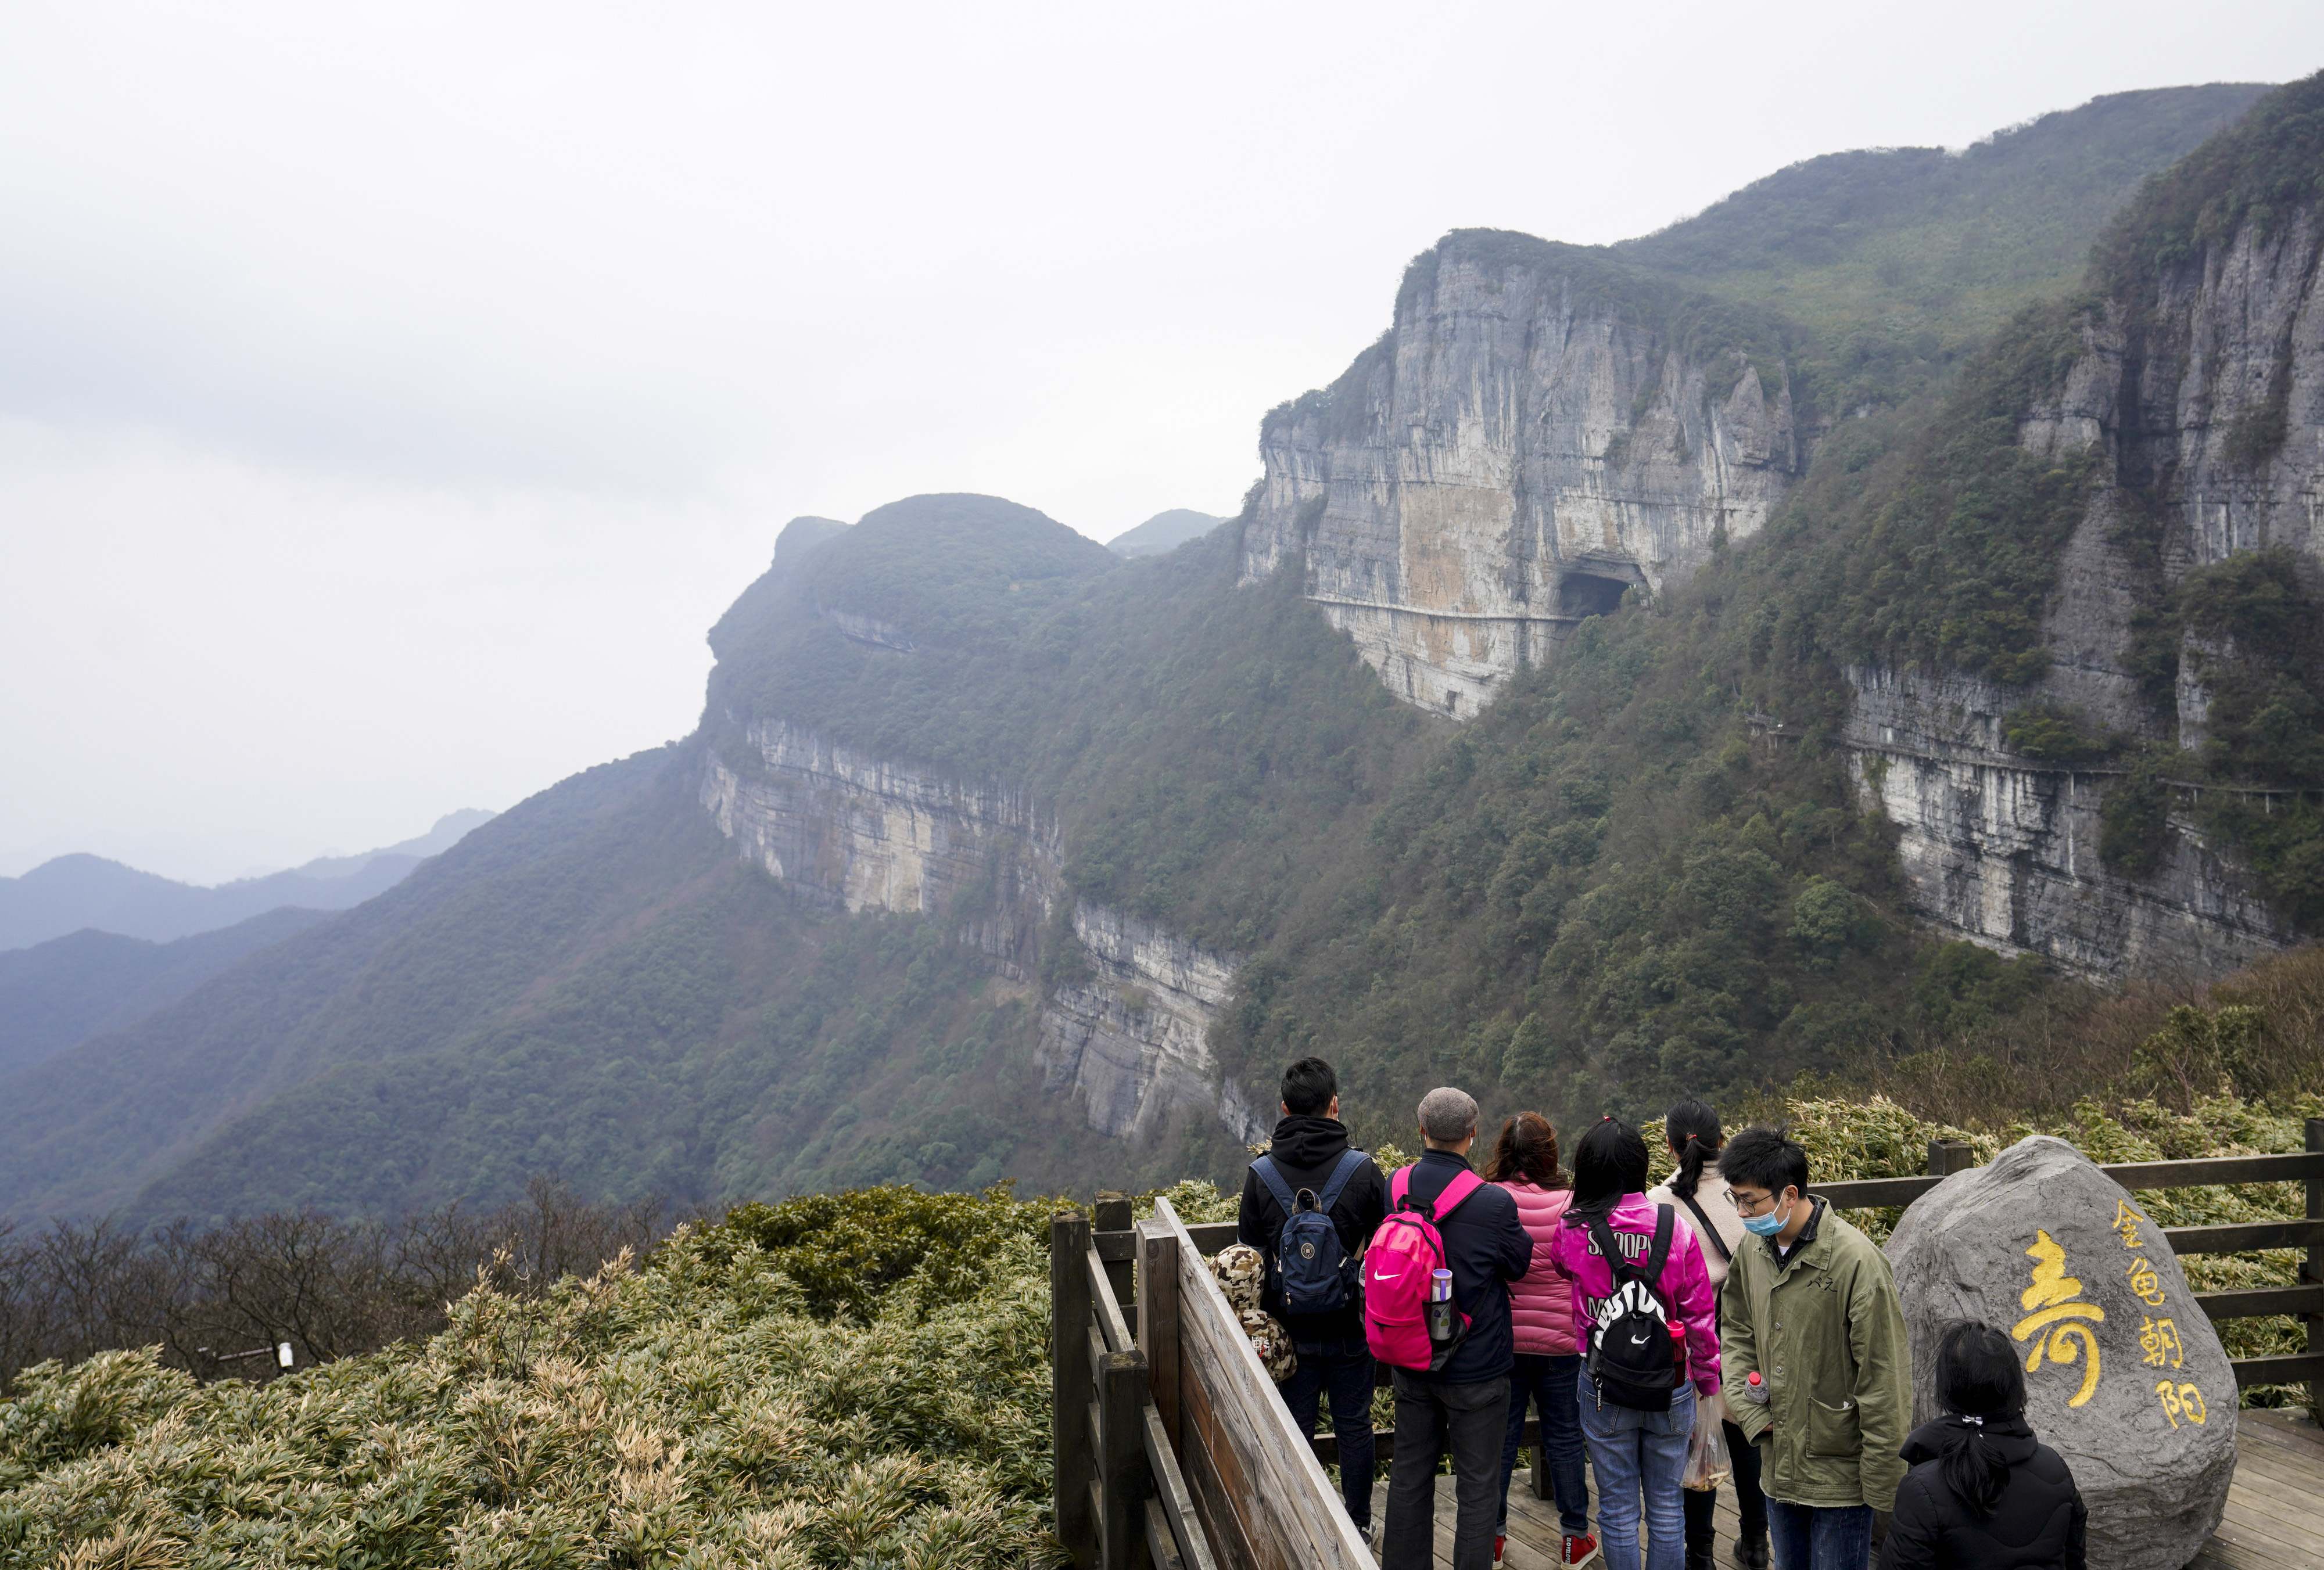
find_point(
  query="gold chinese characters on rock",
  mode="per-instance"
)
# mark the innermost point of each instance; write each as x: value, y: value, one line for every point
x: 2058, y: 1321
x: 2158, y: 1340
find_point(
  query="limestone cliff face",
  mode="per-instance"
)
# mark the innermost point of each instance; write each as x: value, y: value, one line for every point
x: 2004, y: 850
x: 1130, y: 1040
x: 2205, y: 401
x: 862, y: 834
x: 1521, y: 446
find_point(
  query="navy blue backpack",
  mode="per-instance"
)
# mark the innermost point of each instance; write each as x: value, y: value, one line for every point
x: 1313, y: 1274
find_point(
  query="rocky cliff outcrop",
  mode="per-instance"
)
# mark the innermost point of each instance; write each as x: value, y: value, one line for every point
x: 2002, y: 849
x: 1130, y: 1040
x: 1525, y: 443
x: 2201, y: 391
x: 862, y: 834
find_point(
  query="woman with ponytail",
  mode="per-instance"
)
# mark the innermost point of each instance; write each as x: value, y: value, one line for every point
x: 1540, y: 1308
x: 1698, y: 1194
x: 1983, y: 1494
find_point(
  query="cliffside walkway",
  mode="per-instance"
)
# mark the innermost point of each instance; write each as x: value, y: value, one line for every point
x: 2275, y: 1508
x: 1174, y: 1452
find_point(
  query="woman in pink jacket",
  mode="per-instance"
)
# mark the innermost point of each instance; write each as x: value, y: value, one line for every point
x: 1541, y: 1311
x: 1636, y: 1451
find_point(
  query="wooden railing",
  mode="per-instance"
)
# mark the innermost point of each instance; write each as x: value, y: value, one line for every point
x: 1121, y: 1499
x: 1175, y: 1450
x: 1175, y: 1453
x: 2305, y: 1299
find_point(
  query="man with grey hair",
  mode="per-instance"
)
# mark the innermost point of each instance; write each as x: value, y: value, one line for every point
x: 1464, y: 1405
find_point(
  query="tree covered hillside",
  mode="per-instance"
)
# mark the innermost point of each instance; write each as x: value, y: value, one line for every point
x: 1609, y: 887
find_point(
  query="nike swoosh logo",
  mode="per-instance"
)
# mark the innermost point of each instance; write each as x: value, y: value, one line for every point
x: 1383, y: 1278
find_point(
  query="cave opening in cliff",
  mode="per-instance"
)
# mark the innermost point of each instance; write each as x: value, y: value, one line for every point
x: 1588, y: 594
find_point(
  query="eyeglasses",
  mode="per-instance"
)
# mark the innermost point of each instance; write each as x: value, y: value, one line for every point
x: 1748, y: 1207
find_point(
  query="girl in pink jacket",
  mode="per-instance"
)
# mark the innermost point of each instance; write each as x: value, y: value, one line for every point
x: 1636, y: 1453
x: 1541, y: 1311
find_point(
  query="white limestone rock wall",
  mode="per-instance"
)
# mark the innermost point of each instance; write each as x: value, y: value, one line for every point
x: 2249, y: 314
x: 863, y: 834
x: 860, y: 833
x: 1131, y: 1039
x: 2004, y: 850
x: 1513, y: 448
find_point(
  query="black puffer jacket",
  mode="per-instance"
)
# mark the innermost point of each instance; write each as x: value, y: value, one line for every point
x: 2040, y: 1523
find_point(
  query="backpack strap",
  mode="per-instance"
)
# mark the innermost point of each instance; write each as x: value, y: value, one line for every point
x: 1451, y: 1197
x: 1271, y: 1175
x: 1659, y: 1255
x: 1464, y: 1183
x: 1709, y: 1232
x: 1349, y: 1160
x: 1602, y: 1235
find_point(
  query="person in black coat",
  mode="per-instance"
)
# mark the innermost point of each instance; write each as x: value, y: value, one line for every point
x: 1984, y: 1493
x: 1332, y: 1355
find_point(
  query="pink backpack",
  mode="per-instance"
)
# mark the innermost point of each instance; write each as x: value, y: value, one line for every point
x: 1406, y: 1254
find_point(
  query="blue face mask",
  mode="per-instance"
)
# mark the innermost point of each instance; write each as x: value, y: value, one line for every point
x: 1768, y: 1225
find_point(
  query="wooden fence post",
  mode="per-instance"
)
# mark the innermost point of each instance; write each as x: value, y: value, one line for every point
x: 1948, y: 1156
x: 1121, y: 1460
x: 1070, y: 1377
x: 1112, y: 1214
x: 2311, y: 1270
x: 1158, y: 1320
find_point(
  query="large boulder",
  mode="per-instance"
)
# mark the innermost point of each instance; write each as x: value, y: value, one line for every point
x: 2124, y: 1376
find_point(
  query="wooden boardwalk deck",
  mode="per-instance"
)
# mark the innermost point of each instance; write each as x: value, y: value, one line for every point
x: 2275, y: 1509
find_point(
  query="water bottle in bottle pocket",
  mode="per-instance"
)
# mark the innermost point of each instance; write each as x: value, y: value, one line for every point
x: 1441, y: 1320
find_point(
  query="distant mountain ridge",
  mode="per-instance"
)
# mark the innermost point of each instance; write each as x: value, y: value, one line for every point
x: 84, y: 983
x: 68, y: 893
x: 1165, y: 531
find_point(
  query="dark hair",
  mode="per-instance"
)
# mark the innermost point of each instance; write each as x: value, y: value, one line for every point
x: 1527, y: 1150
x: 1765, y: 1159
x: 1978, y: 1376
x: 1692, y: 1127
x: 1610, y: 1162
x: 1308, y: 1086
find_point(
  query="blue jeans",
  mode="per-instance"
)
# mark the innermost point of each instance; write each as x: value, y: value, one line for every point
x: 1805, y: 1537
x: 1345, y: 1368
x: 1633, y: 1454
x: 1548, y: 1382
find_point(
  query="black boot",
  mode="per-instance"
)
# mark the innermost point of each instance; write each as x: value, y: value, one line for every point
x: 1751, y: 1554
x: 1698, y: 1559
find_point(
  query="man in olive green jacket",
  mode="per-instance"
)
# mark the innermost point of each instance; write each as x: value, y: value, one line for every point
x: 1810, y: 1305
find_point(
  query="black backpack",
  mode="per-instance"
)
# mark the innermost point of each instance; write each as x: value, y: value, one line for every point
x: 1313, y: 1274
x: 1631, y: 1360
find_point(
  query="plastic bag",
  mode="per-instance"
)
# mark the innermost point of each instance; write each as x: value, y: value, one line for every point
x: 1707, y: 1465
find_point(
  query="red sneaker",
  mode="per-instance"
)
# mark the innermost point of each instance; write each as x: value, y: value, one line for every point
x: 1580, y: 1550
x: 1499, y: 1543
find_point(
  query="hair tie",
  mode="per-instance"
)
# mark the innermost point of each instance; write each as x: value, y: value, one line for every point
x: 1690, y: 1139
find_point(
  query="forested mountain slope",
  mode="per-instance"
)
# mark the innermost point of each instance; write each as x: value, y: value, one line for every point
x: 85, y: 983
x: 996, y: 854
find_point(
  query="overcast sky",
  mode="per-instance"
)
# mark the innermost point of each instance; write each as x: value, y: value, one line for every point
x: 391, y: 395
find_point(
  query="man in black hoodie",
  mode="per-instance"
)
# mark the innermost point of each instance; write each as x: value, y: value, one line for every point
x: 1332, y: 1354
